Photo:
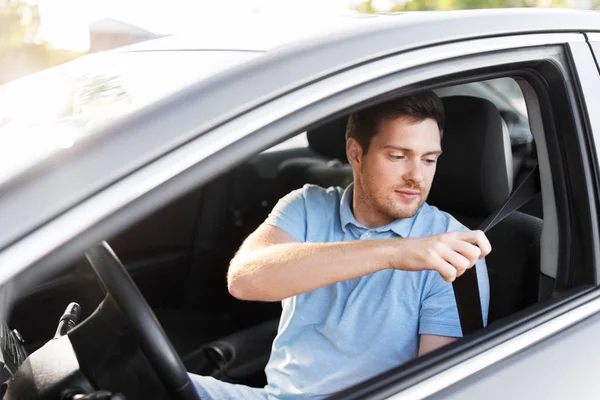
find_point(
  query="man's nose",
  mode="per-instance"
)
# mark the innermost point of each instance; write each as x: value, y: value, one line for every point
x: 415, y: 171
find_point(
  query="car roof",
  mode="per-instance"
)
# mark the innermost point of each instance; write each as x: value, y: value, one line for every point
x: 460, y: 24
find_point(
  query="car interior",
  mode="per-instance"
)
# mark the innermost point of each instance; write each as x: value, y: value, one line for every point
x: 179, y: 256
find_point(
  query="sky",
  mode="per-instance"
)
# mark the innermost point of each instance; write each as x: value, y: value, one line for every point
x: 64, y: 22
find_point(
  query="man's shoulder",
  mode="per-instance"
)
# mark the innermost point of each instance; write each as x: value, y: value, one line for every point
x: 306, y: 210
x: 315, y: 195
x: 322, y: 191
x: 443, y: 219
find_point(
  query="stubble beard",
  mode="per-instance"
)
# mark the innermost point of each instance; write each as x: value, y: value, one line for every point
x: 385, y: 202
x: 394, y: 209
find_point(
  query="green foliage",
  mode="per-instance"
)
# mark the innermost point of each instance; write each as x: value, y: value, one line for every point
x: 366, y: 7
x: 20, y: 41
x: 19, y: 24
x: 425, y: 5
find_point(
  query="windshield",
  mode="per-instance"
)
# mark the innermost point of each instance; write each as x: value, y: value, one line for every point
x: 48, y: 111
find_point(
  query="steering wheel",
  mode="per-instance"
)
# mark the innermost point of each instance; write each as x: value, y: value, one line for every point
x: 154, y: 342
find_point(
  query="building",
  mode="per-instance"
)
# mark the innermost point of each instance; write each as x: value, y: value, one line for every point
x: 109, y: 33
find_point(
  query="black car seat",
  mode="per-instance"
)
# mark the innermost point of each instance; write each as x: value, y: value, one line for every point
x: 329, y: 141
x: 473, y: 178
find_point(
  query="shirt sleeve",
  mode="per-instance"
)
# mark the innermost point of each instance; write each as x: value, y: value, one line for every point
x: 289, y: 215
x: 439, y: 315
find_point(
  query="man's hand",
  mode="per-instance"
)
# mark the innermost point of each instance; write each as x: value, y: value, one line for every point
x: 451, y: 254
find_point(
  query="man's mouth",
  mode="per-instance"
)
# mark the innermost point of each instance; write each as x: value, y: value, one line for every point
x: 408, y: 194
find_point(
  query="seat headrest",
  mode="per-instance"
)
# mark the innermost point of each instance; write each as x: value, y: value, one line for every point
x: 329, y: 139
x: 474, y: 173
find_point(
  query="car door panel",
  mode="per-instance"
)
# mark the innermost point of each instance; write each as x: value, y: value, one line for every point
x: 564, y: 366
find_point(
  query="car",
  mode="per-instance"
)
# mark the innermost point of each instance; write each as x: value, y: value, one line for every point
x: 130, y: 178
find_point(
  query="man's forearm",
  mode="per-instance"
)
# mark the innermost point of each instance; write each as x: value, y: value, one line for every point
x: 284, y: 270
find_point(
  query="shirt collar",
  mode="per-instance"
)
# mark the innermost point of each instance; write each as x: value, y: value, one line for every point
x: 400, y: 226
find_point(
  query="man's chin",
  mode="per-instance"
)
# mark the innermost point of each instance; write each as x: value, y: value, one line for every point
x: 395, y: 209
x: 407, y: 212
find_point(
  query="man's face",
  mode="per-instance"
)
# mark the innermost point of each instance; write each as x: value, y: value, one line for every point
x: 393, y: 179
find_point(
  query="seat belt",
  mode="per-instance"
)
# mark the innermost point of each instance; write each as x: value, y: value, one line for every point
x: 466, y: 289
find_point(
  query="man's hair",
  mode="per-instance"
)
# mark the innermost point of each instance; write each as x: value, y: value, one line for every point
x: 363, y: 125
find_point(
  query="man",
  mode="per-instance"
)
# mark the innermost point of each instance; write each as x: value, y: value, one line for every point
x: 364, y: 274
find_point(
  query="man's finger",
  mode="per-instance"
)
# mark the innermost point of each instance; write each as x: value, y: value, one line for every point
x: 467, y: 250
x: 457, y: 260
x: 446, y: 271
x: 477, y: 238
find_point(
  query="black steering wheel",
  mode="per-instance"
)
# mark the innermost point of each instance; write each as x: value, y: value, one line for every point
x: 154, y: 342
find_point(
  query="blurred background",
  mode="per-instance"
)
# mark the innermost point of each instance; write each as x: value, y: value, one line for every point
x: 38, y: 34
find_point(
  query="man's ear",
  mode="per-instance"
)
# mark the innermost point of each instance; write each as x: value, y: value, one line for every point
x: 353, y: 152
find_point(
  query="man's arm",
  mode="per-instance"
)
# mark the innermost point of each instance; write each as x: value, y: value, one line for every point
x: 270, y: 266
x: 429, y: 343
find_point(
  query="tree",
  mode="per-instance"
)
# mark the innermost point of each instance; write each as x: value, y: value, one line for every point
x: 22, y: 50
x: 18, y: 24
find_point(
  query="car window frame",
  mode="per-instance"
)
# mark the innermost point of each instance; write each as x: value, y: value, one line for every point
x: 22, y: 212
x: 586, y: 81
x: 594, y: 41
x: 205, y: 157
x: 572, y: 119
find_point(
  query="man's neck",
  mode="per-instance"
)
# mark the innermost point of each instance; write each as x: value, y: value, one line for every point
x: 365, y: 212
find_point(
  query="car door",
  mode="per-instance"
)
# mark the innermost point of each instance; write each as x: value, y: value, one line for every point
x: 220, y: 139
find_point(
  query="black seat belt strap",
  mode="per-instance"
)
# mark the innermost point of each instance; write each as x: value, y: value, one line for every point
x: 466, y: 289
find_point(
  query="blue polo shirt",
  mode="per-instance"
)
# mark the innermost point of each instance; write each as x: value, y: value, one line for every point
x: 350, y: 331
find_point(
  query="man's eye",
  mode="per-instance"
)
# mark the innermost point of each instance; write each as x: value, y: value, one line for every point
x: 430, y: 161
x: 397, y: 157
